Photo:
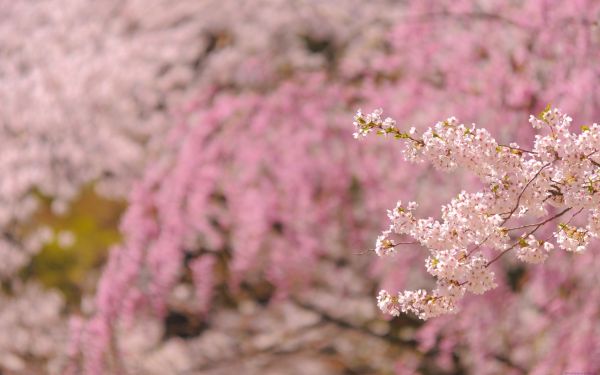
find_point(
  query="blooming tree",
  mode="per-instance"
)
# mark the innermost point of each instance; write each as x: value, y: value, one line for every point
x: 88, y: 90
x: 249, y: 187
x: 82, y: 81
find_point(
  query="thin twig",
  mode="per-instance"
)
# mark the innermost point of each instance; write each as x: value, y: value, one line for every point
x: 518, y: 149
x: 523, y: 191
x: 528, y: 234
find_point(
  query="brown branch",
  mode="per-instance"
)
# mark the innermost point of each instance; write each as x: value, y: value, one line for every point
x: 523, y: 191
x: 528, y: 234
x: 389, y: 247
x: 518, y: 149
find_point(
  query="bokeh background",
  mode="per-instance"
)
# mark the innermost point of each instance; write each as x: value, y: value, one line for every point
x: 180, y: 192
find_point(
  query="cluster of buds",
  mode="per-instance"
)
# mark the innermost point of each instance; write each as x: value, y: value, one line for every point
x: 555, y: 178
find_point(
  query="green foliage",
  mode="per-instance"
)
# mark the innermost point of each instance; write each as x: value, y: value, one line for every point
x: 93, y: 221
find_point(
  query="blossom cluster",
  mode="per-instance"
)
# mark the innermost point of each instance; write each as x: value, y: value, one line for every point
x: 524, y: 191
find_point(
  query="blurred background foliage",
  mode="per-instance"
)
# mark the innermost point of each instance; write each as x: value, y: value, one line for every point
x: 79, y: 245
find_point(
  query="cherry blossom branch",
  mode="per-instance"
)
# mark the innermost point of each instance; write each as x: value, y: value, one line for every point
x: 467, y: 220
